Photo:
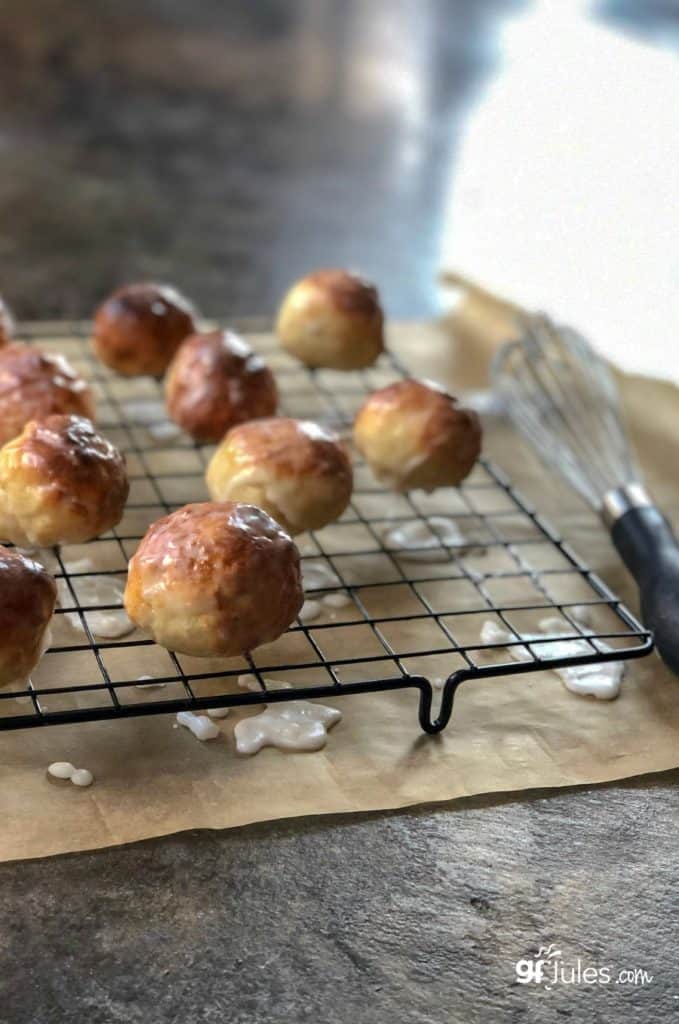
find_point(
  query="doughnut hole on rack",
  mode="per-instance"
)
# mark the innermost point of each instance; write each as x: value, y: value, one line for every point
x: 28, y: 594
x: 34, y: 385
x: 60, y: 482
x: 332, y: 318
x: 138, y: 328
x: 216, y: 381
x: 214, y: 580
x: 415, y: 435
x: 297, y: 471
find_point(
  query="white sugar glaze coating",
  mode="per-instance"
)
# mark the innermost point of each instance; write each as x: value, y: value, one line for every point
x: 144, y: 411
x: 310, y: 610
x: 82, y: 777
x: 218, y: 712
x: 336, y: 600
x: 200, y: 725
x: 148, y: 683
x: 165, y: 431
x: 246, y: 681
x: 317, y: 574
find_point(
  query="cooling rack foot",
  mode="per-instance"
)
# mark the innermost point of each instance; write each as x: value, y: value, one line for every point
x: 434, y: 725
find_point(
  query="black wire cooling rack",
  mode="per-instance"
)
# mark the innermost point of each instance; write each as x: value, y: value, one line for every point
x: 405, y: 623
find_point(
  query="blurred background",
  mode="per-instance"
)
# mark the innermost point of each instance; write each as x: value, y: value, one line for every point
x: 229, y: 147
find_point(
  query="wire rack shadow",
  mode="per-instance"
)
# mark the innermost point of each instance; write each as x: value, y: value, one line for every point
x: 407, y: 619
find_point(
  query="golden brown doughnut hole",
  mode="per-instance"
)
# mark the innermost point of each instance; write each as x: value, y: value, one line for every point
x: 332, y: 318
x: 138, y: 329
x: 216, y: 381
x: 34, y: 385
x: 214, y: 579
x: 413, y: 434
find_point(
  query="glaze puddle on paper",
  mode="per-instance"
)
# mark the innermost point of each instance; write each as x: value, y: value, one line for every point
x: 309, y: 611
x: 144, y: 410
x: 164, y: 431
x: 78, y: 565
x: 601, y: 681
x: 111, y: 623
x: 336, y: 600
x: 200, y: 725
x: 427, y: 540
x: 317, y: 575
x: 68, y: 772
x: 297, y: 725
x: 313, y: 608
x: 148, y: 682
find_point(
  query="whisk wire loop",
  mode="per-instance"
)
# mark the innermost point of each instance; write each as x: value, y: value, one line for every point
x: 562, y: 397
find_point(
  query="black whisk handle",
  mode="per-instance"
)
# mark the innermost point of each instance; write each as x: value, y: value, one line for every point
x: 650, y: 550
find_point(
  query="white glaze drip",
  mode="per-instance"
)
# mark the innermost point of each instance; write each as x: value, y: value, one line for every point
x: 82, y: 777
x: 583, y: 613
x: 200, y: 725
x: 253, y: 520
x: 278, y: 494
x: 110, y: 625
x: 165, y: 431
x: 423, y: 540
x: 249, y: 682
x: 150, y: 685
x: 78, y: 565
x: 143, y: 411
x: 318, y: 574
x: 97, y: 590
x: 316, y: 431
x: 68, y: 772
x: 601, y: 681
x: 297, y: 725
x: 309, y: 611
x: 336, y: 600
x: 218, y: 712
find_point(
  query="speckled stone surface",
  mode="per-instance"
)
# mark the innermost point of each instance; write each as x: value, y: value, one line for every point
x: 229, y: 148
x: 414, y: 917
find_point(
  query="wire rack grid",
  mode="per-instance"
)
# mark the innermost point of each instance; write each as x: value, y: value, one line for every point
x: 408, y: 619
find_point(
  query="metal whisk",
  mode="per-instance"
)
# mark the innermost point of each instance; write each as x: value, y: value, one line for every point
x: 562, y: 397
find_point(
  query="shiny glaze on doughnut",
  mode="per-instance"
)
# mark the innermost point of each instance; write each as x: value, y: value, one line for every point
x: 214, y: 579
x: 215, y: 382
x: 138, y: 329
x: 35, y: 384
x: 297, y: 470
x: 332, y: 318
x: 60, y: 481
x: 348, y: 292
x: 290, y: 447
x: 414, y: 434
x: 27, y: 597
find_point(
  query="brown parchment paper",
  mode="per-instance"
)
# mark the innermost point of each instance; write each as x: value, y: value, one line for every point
x: 527, y: 731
